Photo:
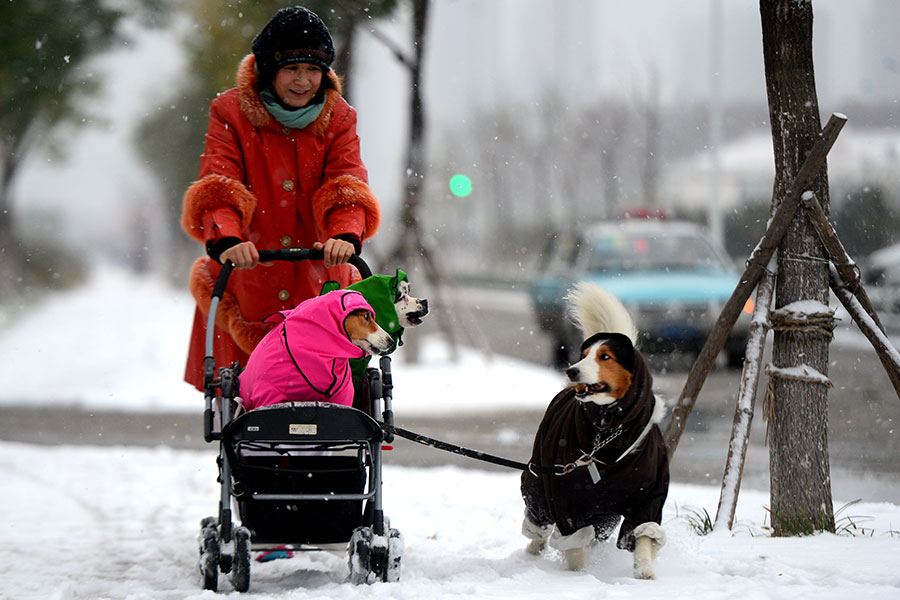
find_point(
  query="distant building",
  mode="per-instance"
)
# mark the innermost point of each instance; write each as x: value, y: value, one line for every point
x: 747, y: 170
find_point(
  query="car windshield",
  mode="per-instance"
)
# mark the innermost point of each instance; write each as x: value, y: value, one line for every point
x: 624, y: 252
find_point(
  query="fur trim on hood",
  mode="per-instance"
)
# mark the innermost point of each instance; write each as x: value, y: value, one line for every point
x: 252, y: 106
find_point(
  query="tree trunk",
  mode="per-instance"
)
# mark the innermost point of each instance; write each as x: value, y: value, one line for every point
x: 344, y: 62
x: 798, y: 428
x: 409, y: 240
x: 10, y: 249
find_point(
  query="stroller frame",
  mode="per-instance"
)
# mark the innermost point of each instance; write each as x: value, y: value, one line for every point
x: 266, y: 454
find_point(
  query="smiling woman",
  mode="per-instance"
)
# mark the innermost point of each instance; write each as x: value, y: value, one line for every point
x: 281, y: 168
x: 295, y: 85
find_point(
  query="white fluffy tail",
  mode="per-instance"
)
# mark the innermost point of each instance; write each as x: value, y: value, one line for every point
x: 594, y: 310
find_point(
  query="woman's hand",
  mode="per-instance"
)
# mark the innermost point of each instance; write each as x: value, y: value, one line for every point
x: 336, y: 252
x: 244, y: 255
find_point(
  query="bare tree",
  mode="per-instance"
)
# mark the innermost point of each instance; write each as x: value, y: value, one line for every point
x: 798, y: 420
x: 411, y: 242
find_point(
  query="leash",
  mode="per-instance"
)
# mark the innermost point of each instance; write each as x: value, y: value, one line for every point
x: 586, y: 459
x: 476, y: 454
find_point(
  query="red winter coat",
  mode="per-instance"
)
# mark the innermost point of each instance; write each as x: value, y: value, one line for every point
x: 277, y: 187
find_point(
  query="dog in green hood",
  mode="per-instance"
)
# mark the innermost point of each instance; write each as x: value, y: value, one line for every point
x: 394, y: 308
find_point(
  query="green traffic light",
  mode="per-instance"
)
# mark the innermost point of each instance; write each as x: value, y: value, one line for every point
x: 460, y: 185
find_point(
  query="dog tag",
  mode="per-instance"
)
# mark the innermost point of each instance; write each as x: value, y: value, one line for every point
x: 594, y: 473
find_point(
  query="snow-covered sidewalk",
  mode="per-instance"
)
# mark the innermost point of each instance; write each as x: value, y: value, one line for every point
x: 83, y: 523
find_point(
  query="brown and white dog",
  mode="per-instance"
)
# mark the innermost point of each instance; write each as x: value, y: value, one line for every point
x: 365, y: 333
x: 602, y: 432
x: 306, y: 357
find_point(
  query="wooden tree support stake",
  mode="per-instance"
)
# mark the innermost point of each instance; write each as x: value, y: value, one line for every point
x: 846, y: 286
x: 845, y: 266
x: 743, y: 413
x: 756, y: 266
x: 886, y: 352
x: 845, y: 283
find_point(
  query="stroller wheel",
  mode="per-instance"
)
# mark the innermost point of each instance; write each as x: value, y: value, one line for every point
x: 240, y: 573
x: 395, y: 552
x: 360, y: 555
x: 209, y: 554
x: 374, y: 558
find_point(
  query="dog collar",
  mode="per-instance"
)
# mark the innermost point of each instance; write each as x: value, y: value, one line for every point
x: 588, y: 459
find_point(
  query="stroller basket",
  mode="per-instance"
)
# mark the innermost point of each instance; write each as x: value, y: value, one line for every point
x: 300, y: 471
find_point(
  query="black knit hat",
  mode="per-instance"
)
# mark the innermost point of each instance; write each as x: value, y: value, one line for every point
x: 294, y: 35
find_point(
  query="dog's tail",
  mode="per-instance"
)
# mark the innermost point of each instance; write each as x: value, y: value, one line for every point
x: 595, y: 310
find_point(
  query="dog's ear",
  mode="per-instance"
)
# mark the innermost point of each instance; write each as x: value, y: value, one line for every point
x: 395, y: 283
x: 620, y: 345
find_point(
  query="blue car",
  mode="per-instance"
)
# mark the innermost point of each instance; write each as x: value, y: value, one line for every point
x: 671, y: 277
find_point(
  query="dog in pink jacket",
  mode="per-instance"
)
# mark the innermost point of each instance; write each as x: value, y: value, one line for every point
x: 306, y: 357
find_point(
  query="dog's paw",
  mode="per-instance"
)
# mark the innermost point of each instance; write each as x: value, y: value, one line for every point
x: 644, y: 573
x: 644, y: 555
x: 574, y: 559
x: 535, y: 547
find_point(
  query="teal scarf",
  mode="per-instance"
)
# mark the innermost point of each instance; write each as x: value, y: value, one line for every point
x: 297, y: 118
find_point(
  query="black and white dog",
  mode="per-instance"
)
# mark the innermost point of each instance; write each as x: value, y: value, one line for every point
x: 602, y: 432
x: 410, y: 310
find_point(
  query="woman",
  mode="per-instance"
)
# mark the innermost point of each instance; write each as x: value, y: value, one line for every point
x: 281, y: 168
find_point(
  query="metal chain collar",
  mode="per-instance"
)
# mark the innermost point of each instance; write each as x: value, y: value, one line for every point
x: 588, y: 458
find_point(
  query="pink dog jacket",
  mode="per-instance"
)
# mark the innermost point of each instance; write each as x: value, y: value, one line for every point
x: 306, y: 358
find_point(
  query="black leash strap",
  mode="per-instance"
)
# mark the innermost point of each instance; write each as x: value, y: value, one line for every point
x: 476, y: 454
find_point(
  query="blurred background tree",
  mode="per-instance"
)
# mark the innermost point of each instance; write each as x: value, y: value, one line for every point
x: 44, y: 81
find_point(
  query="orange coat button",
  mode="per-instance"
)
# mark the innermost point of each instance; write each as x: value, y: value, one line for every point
x: 288, y: 185
x: 285, y: 240
x: 284, y: 295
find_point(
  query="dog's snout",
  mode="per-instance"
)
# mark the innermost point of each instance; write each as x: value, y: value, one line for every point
x: 572, y: 373
x: 383, y: 342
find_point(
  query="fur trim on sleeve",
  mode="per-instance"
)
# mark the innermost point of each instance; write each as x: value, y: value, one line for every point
x: 346, y: 190
x: 246, y: 334
x: 211, y: 192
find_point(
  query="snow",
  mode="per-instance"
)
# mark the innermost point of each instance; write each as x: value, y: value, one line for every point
x: 799, y: 373
x: 123, y: 522
x: 93, y: 523
x: 802, y: 309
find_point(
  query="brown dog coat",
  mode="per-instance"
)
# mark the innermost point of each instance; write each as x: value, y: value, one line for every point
x: 633, y: 486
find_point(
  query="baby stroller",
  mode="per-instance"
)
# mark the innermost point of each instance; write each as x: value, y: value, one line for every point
x: 302, y: 474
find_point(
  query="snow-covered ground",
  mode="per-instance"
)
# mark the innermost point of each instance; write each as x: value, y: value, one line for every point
x: 92, y: 523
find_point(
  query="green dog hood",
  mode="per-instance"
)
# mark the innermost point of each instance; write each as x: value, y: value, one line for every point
x: 380, y: 292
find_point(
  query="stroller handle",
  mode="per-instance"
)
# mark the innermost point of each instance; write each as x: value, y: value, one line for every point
x: 289, y: 255
x: 285, y: 254
x: 298, y: 254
